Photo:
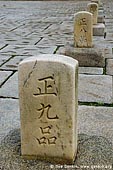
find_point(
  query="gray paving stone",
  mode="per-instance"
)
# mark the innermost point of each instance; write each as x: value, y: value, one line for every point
x: 12, y: 64
x: 90, y: 70
x: 4, y: 58
x: 58, y: 40
x: 4, y: 75
x: 9, y: 116
x: 96, y: 121
x: 95, y: 88
x: 22, y: 40
x: 10, y: 88
x: 2, y: 45
x: 27, y: 50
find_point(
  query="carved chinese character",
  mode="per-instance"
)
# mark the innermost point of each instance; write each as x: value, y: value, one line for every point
x: 45, y: 110
x: 46, y: 130
x: 52, y: 140
x: 48, y: 86
x: 42, y: 140
x: 46, y: 140
x: 83, y: 21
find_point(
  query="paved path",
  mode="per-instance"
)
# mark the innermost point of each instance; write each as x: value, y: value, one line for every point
x: 31, y: 28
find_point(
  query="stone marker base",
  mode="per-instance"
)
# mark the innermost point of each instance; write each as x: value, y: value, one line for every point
x: 99, y: 29
x: 53, y: 160
x: 87, y: 57
x: 101, y: 8
x: 101, y: 12
x: 101, y: 19
x: 109, y: 66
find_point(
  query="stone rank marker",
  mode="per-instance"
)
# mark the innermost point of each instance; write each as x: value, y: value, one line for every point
x: 83, y: 32
x: 48, y: 95
x: 93, y: 8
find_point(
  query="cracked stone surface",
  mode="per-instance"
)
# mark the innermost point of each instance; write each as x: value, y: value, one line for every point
x: 29, y: 28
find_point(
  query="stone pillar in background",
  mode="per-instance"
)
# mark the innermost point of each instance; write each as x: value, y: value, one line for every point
x: 93, y: 8
x: 48, y: 104
x: 83, y: 31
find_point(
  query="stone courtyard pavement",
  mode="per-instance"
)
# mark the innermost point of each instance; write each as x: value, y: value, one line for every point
x: 35, y: 27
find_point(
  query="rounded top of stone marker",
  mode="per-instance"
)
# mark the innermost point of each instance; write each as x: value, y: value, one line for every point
x: 92, y: 3
x: 51, y: 57
x: 83, y: 12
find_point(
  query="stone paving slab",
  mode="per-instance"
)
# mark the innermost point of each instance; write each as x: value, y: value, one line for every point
x: 4, y: 75
x: 4, y: 58
x: 10, y: 88
x: 12, y: 64
x: 21, y: 41
x: 9, y: 116
x: 1, y: 46
x: 91, y: 70
x: 96, y: 120
x: 27, y: 50
x: 95, y: 88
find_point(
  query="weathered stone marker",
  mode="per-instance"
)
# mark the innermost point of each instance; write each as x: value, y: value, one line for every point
x: 82, y: 49
x: 48, y: 105
x: 93, y: 8
x: 83, y: 29
x: 98, y: 28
